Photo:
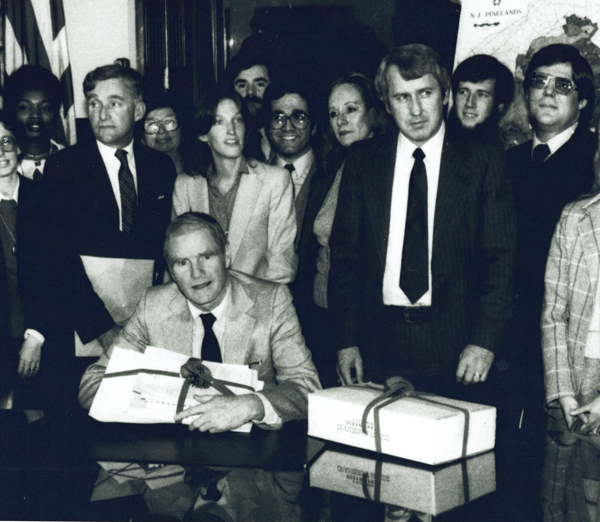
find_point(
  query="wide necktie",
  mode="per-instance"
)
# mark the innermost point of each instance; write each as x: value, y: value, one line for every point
x: 127, y: 189
x: 540, y: 153
x: 210, y: 346
x: 414, y: 273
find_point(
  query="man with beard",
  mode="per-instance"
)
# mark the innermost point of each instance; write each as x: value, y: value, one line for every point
x: 483, y: 90
x: 250, y: 77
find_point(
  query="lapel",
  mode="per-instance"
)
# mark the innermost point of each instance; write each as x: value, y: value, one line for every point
x: 96, y: 177
x: 239, y: 323
x: 302, y: 196
x: 589, y: 231
x: 245, y: 200
x: 377, y: 188
x: 176, y: 323
x: 453, y: 181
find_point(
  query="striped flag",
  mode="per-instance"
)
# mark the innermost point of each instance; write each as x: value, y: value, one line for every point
x: 35, y: 34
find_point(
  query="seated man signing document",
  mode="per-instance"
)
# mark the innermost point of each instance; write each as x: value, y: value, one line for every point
x: 216, y: 314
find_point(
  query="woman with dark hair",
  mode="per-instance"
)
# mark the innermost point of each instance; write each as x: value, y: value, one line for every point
x: 355, y: 114
x: 253, y: 203
x: 32, y: 98
x: 164, y: 126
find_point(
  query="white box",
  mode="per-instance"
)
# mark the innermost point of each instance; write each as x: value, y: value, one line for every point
x: 428, y: 429
x: 431, y: 490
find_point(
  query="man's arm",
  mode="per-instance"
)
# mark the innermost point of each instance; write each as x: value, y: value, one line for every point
x: 347, y: 274
x: 498, y: 243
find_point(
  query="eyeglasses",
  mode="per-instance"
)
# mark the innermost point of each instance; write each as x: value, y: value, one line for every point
x: 562, y: 86
x: 152, y: 127
x: 8, y: 144
x: 300, y: 120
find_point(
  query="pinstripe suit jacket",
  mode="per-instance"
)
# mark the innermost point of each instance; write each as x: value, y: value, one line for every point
x: 472, y: 257
x: 571, y: 283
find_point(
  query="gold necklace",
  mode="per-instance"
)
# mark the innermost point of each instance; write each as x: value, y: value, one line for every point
x: 14, y: 248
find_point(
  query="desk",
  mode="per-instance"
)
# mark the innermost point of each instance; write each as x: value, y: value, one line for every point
x: 49, y: 474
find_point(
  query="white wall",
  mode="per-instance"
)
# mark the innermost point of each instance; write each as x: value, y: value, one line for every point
x: 98, y: 32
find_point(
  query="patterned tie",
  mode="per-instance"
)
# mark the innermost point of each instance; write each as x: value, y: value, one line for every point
x: 210, y: 346
x: 540, y: 153
x: 414, y: 272
x: 127, y: 189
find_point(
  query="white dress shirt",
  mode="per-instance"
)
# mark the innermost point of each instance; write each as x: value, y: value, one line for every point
x: 220, y: 312
x: 302, y: 167
x: 392, y: 293
x: 557, y: 141
x: 112, y: 164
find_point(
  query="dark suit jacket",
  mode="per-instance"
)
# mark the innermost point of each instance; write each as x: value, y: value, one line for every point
x: 83, y: 219
x: 540, y: 197
x: 472, y: 258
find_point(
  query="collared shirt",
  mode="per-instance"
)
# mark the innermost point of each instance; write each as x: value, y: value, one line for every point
x: 392, y: 294
x: 221, y: 205
x: 27, y: 166
x: 557, y: 141
x: 220, y: 312
x: 112, y: 164
x: 302, y: 167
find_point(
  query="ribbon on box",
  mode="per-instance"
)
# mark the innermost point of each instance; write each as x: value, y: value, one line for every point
x: 195, y: 374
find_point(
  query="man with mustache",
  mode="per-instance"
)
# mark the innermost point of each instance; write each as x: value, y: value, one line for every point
x: 250, y: 77
x: 553, y: 169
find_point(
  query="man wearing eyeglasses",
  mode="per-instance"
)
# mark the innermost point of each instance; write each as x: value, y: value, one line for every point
x: 290, y: 129
x: 553, y: 169
x: 107, y: 198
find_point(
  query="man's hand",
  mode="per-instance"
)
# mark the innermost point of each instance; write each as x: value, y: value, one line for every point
x: 30, y: 356
x: 219, y: 413
x: 347, y: 359
x: 590, y: 414
x: 568, y: 404
x: 107, y: 338
x: 474, y: 364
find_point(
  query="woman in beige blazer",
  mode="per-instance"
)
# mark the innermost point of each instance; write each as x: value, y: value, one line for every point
x: 253, y: 202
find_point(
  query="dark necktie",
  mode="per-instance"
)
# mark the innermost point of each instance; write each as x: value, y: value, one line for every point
x: 37, y: 175
x: 414, y: 273
x: 540, y: 153
x: 289, y: 167
x: 127, y: 189
x: 210, y: 345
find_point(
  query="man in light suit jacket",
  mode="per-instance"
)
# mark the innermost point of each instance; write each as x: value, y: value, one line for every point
x: 422, y: 264
x: 107, y: 198
x: 255, y: 324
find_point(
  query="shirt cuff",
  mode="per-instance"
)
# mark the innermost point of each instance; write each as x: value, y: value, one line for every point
x: 271, y: 418
x: 34, y: 333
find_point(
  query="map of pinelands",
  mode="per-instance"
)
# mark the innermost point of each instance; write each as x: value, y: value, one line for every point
x: 513, y: 30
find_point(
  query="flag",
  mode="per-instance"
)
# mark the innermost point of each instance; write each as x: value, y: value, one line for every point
x: 35, y: 34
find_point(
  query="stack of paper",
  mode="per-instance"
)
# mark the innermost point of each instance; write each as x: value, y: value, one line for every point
x: 144, y: 397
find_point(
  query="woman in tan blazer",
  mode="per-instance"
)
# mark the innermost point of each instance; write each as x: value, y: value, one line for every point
x: 253, y: 202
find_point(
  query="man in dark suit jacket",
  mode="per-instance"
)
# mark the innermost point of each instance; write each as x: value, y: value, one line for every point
x: 553, y: 169
x: 422, y: 261
x: 291, y: 126
x: 108, y: 198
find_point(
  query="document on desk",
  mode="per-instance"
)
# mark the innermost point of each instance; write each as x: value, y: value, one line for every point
x: 120, y: 284
x: 146, y: 388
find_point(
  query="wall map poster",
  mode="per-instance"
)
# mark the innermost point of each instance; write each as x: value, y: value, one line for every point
x: 513, y: 30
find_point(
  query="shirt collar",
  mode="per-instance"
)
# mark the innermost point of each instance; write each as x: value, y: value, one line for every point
x: 109, y: 152
x: 244, y: 169
x: 557, y: 141
x: 301, y: 163
x: 15, y: 195
x: 218, y: 311
x: 431, y: 148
